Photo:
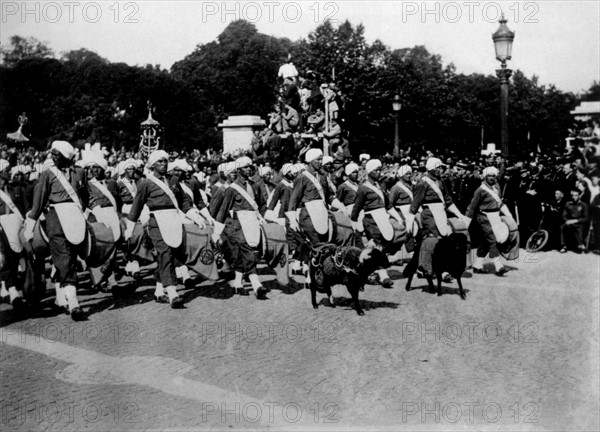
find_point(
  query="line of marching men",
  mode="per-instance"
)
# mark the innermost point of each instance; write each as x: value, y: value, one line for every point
x: 78, y: 213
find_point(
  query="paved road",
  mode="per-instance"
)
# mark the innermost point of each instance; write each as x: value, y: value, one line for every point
x: 521, y: 353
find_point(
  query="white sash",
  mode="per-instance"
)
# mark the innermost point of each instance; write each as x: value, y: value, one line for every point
x: 406, y: 189
x: 499, y: 228
x: 376, y: 190
x: 10, y: 204
x: 70, y: 215
x: 382, y: 220
x: 168, y: 220
x: 166, y: 189
x: 492, y: 192
x: 435, y: 188
x: 187, y: 190
x: 315, y: 183
x: 131, y: 187
x: 248, y: 219
x: 351, y: 185
x: 12, y: 224
x: 104, y: 191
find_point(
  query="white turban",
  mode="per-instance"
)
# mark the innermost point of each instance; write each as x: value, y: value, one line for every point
x: 372, y: 165
x: 96, y: 158
x: 243, y: 162
x: 327, y: 160
x: 490, y: 171
x: 287, y: 168
x: 300, y: 167
x: 4, y: 164
x: 155, y: 156
x: 350, y: 168
x: 221, y: 168
x: 122, y: 166
x: 18, y: 169
x: 404, y: 169
x: 63, y: 148
x: 313, y: 154
x: 433, y: 163
x: 364, y: 156
x: 182, y: 164
x: 229, y: 167
x: 264, y: 170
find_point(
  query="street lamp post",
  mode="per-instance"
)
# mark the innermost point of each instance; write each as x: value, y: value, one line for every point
x: 503, y: 40
x: 396, y: 106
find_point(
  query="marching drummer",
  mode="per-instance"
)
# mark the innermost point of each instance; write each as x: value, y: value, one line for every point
x: 62, y: 190
x: 312, y: 195
x: 128, y: 178
x: 487, y: 207
x: 371, y: 198
x: 104, y: 202
x: 165, y: 200
x: 431, y: 194
x: 239, y: 220
x: 13, y: 205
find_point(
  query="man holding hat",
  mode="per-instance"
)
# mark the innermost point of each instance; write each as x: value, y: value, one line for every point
x: 166, y: 200
x: 239, y: 220
x: 377, y: 225
x: 62, y: 190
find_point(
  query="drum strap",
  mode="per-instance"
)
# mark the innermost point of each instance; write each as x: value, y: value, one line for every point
x: 492, y: 192
x: 406, y: 189
x: 377, y: 190
x: 316, y: 183
x: 66, y: 186
x: 351, y: 185
x: 165, y: 188
x: 131, y: 187
x: 435, y: 188
x: 10, y: 204
x: 246, y: 196
x: 104, y: 191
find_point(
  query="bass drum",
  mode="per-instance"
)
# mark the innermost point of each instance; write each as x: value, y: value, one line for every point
x: 99, y: 244
x: 199, y: 251
x: 510, y: 248
x: 275, y: 251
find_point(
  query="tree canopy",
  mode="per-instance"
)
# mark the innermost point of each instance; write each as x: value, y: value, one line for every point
x: 86, y: 98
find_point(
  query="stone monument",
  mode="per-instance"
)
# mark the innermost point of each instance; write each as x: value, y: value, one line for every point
x: 238, y: 130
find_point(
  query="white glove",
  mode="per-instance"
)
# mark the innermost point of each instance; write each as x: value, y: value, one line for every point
x: 270, y: 215
x: 216, y: 236
x: 206, y: 214
x: 28, y: 231
x: 130, y: 225
x: 293, y: 217
x: 195, y: 217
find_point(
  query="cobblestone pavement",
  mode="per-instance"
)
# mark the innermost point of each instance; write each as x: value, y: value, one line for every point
x: 521, y: 353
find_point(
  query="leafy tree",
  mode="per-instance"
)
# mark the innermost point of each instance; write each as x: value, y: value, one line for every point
x: 20, y: 48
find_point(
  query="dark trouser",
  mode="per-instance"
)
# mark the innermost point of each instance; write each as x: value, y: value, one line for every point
x: 165, y: 270
x: 429, y: 227
x: 567, y: 232
x: 295, y: 241
x: 64, y: 254
x: 243, y: 257
x: 488, y: 239
x: 310, y: 233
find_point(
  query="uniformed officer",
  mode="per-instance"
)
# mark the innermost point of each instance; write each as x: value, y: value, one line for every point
x: 61, y: 194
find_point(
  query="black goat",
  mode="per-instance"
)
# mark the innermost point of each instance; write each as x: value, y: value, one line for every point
x: 449, y: 255
x: 345, y: 265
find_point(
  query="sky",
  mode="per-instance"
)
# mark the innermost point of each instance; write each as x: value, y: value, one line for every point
x: 559, y: 41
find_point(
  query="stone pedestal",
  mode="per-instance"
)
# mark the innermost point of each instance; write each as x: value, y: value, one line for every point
x: 238, y: 131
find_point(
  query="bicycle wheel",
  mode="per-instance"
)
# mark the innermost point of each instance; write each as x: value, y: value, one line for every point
x: 537, y: 241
